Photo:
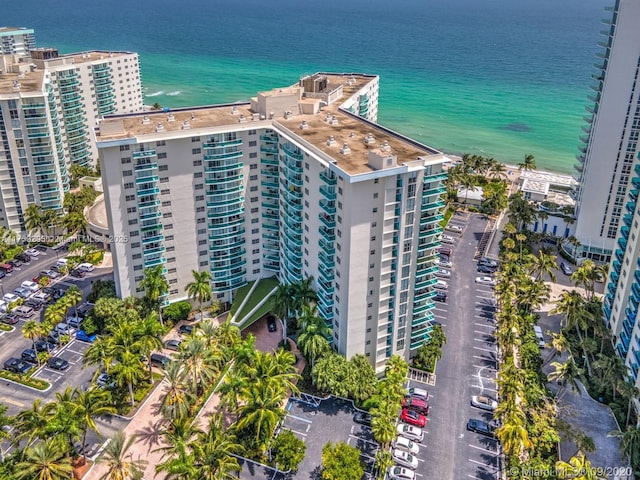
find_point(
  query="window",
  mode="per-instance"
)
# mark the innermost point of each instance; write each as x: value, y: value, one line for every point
x: 202, y: 242
x: 125, y: 160
x: 195, y: 139
x: 199, y: 198
x: 133, y: 221
x: 255, y: 230
x: 171, y: 270
x: 255, y: 251
x: 375, y: 210
x: 171, y: 248
x: 167, y: 215
x: 173, y: 281
x: 134, y: 233
x: 202, y: 253
x: 171, y: 260
x: 253, y: 155
x: 255, y: 220
x: 165, y: 191
x: 204, y: 263
x: 196, y: 151
x: 253, y: 188
x: 200, y: 209
x: 164, y: 179
x: 253, y: 166
x: 374, y: 224
x: 128, y: 185
x: 253, y: 143
x: 197, y: 175
x: 369, y: 305
x: 130, y: 198
x: 254, y: 199
x: 124, y: 148
x: 135, y: 245
x: 372, y: 252
x: 137, y: 268
x: 253, y: 177
x: 168, y: 226
x: 131, y: 210
x: 197, y: 163
x: 166, y: 203
x: 254, y: 210
x: 255, y: 241
x: 256, y: 271
x: 162, y: 155
x: 198, y: 186
x: 200, y: 221
x: 136, y: 256
x: 375, y: 195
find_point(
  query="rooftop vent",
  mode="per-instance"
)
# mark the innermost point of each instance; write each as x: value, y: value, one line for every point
x: 234, y: 110
x: 352, y: 134
x: 271, y: 115
x: 255, y: 117
x: 193, y: 117
x: 145, y: 120
x: 186, y: 125
x: 16, y: 85
x: 333, y: 121
x: 385, y: 146
x: 345, y: 150
x: 327, y: 117
x: 304, y: 125
x: 171, y: 118
x: 331, y: 141
x: 242, y: 119
x: 288, y: 114
x: 369, y: 139
x: 159, y: 128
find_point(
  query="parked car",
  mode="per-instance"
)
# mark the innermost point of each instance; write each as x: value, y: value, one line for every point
x: 44, y: 346
x: 486, y: 269
x: 104, y: 380
x: 82, y: 336
x: 404, y: 459
x: 488, y: 262
x: 23, y: 257
x: 417, y: 404
x: 32, y: 252
x: 34, y: 303
x: 400, y: 473
x: 87, y: 267
x: 362, y: 418
x: 444, y: 262
x: 77, y: 273
x: 413, y: 418
x: 40, y: 248
x: 39, y: 279
x: 484, y: 402
x: 10, y: 297
x: 405, y: 444
x: 441, y: 285
x: 17, y: 365
x: 417, y: 393
x: 63, y: 329
x: 33, y: 286
x: 23, y: 311
x: 185, y: 329
x: 158, y: 360
x: 409, y: 431
x: 22, y: 292
x: 566, y: 269
x: 447, y: 239
x: 49, y: 273
x: 84, y: 309
x: 486, y: 281
x: 271, y: 323
x: 172, y: 344
x: 57, y: 268
x: 440, y: 297
x: 15, y: 263
x: 74, y: 322
x: 57, y: 363
x: 454, y: 228
x: 55, y: 293
x: 481, y: 427
x: 444, y: 251
x: 29, y: 355
x: 53, y: 337
x: 441, y: 272
x: 9, y: 318
x: 6, y: 267
x: 43, y: 297
x: 2, y: 273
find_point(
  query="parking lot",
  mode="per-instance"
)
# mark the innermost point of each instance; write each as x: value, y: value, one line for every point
x: 467, y: 368
x: 72, y: 353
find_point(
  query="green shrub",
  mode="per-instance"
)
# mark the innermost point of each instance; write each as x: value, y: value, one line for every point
x: 24, y: 380
x: 177, y: 311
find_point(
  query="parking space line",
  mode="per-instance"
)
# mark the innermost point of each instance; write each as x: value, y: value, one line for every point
x: 490, y: 342
x: 485, y: 358
x: 483, y: 388
x: 11, y: 402
x: 493, y: 467
x: 74, y: 351
x: 485, y: 366
x: 492, y: 452
x: 484, y: 326
x: 295, y: 431
x: 485, y: 349
x: 364, y: 440
x: 482, y: 333
x: 300, y: 418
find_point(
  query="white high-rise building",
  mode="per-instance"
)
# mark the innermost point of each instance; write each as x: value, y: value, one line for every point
x: 16, y: 40
x: 611, y: 135
x: 292, y: 185
x: 49, y: 104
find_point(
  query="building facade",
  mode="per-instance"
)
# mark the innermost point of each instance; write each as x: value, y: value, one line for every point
x: 610, y: 141
x: 290, y: 185
x: 16, y: 40
x: 49, y: 104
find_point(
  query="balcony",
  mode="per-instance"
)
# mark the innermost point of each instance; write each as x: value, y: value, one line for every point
x: 213, y: 166
x: 270, y: 161
x: 328, y: 177
x: 141, y: 167
x: 434, y: 177
x: 327, y: 247
x: 223, y: 143
x: 439, y: 190
x: 153, y: 251
x: 152, y: 239
x: 223, y: 231
x: 433, y: 205
x: 328, y: 192
x: 328, y: 207
x: 148, y: 191
x: 328, y: 234
x: 291, y: 152
x: 326, y: 287
x: 151, y: 225
x: 327, y: 221
x: 327, y: 260
x: 154, y: 262
x: 269, y: 139
x: 146, y: 179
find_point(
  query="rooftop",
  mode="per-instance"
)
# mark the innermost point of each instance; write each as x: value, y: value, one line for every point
x: 15, y: 30
x: 29, y: 82
x: 360, y: 135
x: 548, y: 177
x: 90, y: 56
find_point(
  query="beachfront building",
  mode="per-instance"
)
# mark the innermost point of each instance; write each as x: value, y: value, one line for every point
x: 16, y: 40
x: 610, y: 142
x: 290, y: 185
x: 49, y: 104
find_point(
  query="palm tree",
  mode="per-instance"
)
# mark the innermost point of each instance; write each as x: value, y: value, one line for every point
x: 544, y: 263
x: 149, y: 337
x: 629, y: 443
x: 32, y: 424
x: 178, y: 460
x: 89, y: 405
x: 155, y: 286
x: 559, y: 343
x: 32, y: 330
x: 572, y: 306
x: 586, y: 275
x: 578, y: 468
x: 46, y: 460
x: 513, y: 436
x: 261, y: 411
x: 176, y: 402
x: 200, y: 288
x: 566, y: 374
x: 213, y: 452
x: 313, y: 340
x: 74, y: 222
x: 74, y: 296
x: 612, y: 370
x: 129, y: 371
x: 383, y: 423
x: 120, y: 462
x: 528, y: 164
x: 200, y: 362
x: 33, y: 218
x: 283, y: 306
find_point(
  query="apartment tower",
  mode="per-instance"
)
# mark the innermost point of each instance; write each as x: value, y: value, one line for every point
x: 49, y: 104
x: 294, y: 184
x: 16, y: 40
x: 611, y: 136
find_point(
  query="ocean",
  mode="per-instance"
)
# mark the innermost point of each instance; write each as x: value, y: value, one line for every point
x: 502, y: 78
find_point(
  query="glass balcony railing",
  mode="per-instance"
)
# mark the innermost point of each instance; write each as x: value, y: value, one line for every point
x: 328, y: 192
x: 144, y: 154
x: 327, y: 220
x: 328, y: 207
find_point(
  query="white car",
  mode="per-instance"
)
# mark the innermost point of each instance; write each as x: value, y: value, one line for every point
x: 32, y: 286
x: 410, y: 432
x: 32, y: 252
x: 484, y: 402
x: 87, y: 267
x: 443, y: 263
x: 443, y: 273
x: 41, y: 296
x: 404, y: 459
x: 447, y: 239
x: 441, y: 285
x: 3, y: 306
x: 63, y: 329
x: 10, y: 297
x: 406, y: 445
x: 454, y: 228
x: 486, y: 281
x: 400, y: 473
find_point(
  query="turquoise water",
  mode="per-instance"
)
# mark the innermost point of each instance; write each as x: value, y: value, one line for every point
x: 502, y: 78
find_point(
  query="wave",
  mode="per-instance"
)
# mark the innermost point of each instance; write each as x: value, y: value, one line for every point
x: 154, y: 94
x: 173, y: 94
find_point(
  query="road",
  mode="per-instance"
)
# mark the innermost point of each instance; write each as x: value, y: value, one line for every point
x: 468, y: 367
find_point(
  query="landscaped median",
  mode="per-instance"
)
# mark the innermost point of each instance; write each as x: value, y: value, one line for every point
x: 27, y: 381
x: 5, y: 328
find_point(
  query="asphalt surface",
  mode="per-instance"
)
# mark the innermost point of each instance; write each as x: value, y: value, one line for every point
x: 17, y: 397
x: 468, y: 367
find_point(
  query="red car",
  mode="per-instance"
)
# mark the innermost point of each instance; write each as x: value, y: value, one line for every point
x: 413, y: 418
